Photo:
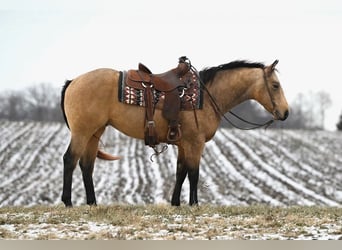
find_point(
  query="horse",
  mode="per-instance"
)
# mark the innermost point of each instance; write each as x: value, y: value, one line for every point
x: 90, y: 103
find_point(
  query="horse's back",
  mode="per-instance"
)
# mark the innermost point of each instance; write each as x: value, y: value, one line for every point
x: 91, y: 102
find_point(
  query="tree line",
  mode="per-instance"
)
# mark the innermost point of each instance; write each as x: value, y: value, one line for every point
x: 36, y: 103
x: 42, y: 103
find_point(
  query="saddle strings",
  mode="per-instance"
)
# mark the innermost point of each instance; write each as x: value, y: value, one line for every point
x: 158, y: 152
x: 219, y: 112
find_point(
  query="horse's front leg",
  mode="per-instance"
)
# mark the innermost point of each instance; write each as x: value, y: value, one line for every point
x: 189, y: 156
x: 193, y: 175
x: 180, y: 177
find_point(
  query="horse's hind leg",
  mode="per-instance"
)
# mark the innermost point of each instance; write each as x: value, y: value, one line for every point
x: 87, y: 166
x: 70, y: 158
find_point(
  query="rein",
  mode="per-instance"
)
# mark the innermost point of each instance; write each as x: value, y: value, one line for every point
x: 218, y: 111
x: 221, y: 114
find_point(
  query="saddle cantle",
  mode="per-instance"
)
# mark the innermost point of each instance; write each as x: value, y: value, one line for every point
x: 165, y: 82
x: 172, y: 91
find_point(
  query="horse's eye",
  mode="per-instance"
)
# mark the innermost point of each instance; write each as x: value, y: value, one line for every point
x: 275, y: 86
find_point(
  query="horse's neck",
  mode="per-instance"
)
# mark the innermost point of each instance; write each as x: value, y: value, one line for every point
x: 232, y: 87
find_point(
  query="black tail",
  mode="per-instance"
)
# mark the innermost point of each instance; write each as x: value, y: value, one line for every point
x: 67, y: 83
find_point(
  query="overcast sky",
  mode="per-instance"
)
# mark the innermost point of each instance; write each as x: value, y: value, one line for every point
x: 51, y: 41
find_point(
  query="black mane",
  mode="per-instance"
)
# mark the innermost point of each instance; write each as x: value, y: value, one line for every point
x: 208, y: 74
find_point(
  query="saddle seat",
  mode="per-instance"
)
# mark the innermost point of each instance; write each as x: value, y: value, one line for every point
x: 171, y: 84
x: 164, y: 82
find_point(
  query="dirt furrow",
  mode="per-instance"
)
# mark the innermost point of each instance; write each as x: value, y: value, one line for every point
x: 297, y: 167
x: 127, y: 167
x: 51, y: 160
x: 291, y: 185
x: 221, y: 178
x: 158, y: 183
x: 237, y: 168
x: 221, y: 170
x: 323, y: 147
x: 208, y: 189
x: 8, y: 143
x: 146, y: 179
x: 107, y: 173
x: 20, y: 151
x: 9, y: 130
x: 137, y: 175
x: 252, y: 147
x: 260, y: 186
x: 32, y: 171
x: 165, y: 164
x: 271, y: 150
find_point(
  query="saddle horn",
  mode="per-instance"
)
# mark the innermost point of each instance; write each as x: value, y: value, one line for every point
x: 184, y: 66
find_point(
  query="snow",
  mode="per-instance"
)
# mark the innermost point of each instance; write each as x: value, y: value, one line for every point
x: 284, y: 178
x: 222, y: 161
x: 171, y: 226
x: 276, y: 167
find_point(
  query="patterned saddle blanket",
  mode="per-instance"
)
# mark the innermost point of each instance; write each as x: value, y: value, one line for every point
x: 191, y: 96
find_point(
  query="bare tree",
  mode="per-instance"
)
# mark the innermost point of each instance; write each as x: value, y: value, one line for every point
x: 38, y: 103
x: 43, y: 100
x: 11, y: 106
x: 324, y: 102
x: 299, y: 118
x: 308, y: 111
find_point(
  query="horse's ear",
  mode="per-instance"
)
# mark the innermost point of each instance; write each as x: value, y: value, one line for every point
x: 274, y: 64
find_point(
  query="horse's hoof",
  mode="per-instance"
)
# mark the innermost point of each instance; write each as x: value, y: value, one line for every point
x: 175, y: 203
x: 68, y: 205
x: 67, y: 202
x: 194, y: 204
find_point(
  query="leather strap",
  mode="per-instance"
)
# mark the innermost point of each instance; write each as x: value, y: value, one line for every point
x: 151, y: 137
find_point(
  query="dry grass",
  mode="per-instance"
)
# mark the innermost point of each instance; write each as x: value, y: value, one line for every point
x: 166, y: 222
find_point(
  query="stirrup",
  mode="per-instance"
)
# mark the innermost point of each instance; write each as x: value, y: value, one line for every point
x: 174, y: 134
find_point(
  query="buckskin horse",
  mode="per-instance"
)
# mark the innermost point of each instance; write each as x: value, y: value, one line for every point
x: 90, y: 102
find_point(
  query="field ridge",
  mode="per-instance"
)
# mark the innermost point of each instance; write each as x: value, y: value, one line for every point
x: 272, y: 167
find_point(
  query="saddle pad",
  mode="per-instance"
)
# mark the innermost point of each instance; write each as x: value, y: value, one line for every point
x: 192, y: 98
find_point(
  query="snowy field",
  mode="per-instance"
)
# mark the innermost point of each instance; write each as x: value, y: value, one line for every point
x: 276, y: 167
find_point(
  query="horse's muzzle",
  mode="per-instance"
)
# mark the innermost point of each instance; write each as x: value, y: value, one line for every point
x: 279, y: 116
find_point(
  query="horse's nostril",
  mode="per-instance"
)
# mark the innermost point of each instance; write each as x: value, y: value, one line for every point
x: 286, y: 114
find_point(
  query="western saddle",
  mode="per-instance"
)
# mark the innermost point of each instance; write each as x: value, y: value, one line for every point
x: 172, y: 85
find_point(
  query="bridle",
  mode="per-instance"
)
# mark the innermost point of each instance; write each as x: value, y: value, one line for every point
x: 219, y: 112
x: 269, y: 91
x: 217, y: 109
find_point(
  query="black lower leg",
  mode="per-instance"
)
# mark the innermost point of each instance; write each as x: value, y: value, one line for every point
x: 69, y: 167
x: 89, y: 187
x: 193, y: 175
x: 87, y: 174
x: 180, y: 177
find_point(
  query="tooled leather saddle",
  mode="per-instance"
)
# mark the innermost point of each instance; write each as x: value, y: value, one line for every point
x: 171, y: 91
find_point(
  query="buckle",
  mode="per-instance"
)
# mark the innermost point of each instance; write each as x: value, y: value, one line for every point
x: 150, y: 123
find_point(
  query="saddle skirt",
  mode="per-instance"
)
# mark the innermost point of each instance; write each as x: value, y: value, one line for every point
x: 191, y: 95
